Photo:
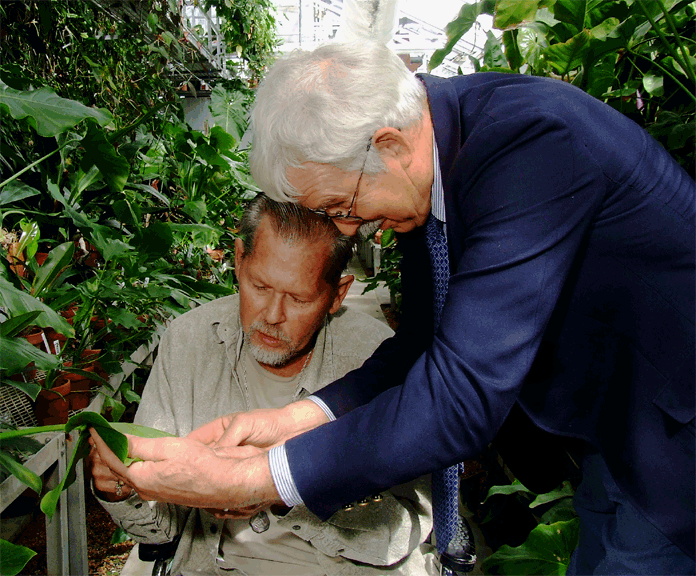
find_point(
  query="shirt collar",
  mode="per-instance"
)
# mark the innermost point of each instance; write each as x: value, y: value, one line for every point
x: 437, y: 195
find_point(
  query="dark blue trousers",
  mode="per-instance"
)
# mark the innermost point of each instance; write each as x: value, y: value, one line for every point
x: 615, y: 538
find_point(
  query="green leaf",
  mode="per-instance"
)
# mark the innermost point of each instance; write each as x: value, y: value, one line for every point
x: 547, y: 550
x: 119, y: 536
x: 197, y: 209
x: 29, y: 240
x: 562, y: 511
x: 564, y: 491
x: 140, y: 430
x: 16, y: 191
x: 14, y: 558
x: 22, y: 473
x: 48, y: 113
x: 507, y: 489
x: 468, y: 14
x: 58, y: 260
x: 13, y: 326
x: 50, y: 499
x: 221, y: 140
x: 31, y: 389
x: 102, y: 154
x: 510, y: 14
x: 229, y: 113
x: 17, y: 302
x: 124, y: 318
x: 567, y: 56
x: 512, y: 50
x: 154, y: 241
x: 654, y: 84
x: 493, y: 56
x: 17, y: 353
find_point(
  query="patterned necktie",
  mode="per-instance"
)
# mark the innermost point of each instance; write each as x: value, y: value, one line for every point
x: 445, y: 482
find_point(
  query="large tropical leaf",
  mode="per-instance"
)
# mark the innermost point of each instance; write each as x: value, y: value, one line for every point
x: 17, y: 353
x: 47, y: 112
x: 459, y: 26
x: 547, y: 550
x: 229, y: 112
x: 17, y: 302
x: 510, y: 14
x: 567, y: 56
x: 101, y: 153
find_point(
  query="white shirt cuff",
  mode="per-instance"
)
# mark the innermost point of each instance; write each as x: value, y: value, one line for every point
x: 280, y: 472
x: 319, y: 402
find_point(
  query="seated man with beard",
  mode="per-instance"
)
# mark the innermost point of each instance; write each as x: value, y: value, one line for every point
x: 283, y: 337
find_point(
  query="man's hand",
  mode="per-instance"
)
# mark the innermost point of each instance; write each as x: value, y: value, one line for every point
x: 186, y: 472
x: 264, y: 428
x: 106, y: 483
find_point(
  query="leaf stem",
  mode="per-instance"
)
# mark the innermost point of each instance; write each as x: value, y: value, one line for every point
x: 29, y: 167
x: 30, y: 431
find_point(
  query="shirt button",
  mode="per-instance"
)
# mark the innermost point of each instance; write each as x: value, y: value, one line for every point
x: 347, y: 507
x: 296, y: 527
x: 377, y: 497
x: 363, y: 502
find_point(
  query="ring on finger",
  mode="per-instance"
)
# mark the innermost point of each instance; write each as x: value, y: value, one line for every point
x: 119, y: 488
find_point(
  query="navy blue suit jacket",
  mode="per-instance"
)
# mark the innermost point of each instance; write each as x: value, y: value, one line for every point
x: 571, y: 239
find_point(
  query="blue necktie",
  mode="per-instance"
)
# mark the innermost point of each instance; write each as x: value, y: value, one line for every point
x: 445, y: 482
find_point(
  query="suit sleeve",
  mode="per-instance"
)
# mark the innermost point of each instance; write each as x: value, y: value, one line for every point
x: 527, y: 192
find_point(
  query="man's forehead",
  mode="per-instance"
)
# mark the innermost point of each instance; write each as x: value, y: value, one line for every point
x: 317, y: 181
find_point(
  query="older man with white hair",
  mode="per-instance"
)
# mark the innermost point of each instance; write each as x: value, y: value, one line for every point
x: 548, y: 264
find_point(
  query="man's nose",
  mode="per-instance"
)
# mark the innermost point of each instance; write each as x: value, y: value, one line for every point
x: 275, y: 309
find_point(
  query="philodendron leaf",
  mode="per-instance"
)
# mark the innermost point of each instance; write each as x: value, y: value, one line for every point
x: 516, y: 486
x: 47, y: 112
x: 137, y: 430
x: 50, y: 499
x: 18, y: 302
x: 565, y: 491
x: 22, y: 473
x: 547, y: 550
x: 16, y: 353
x: 14, y: 558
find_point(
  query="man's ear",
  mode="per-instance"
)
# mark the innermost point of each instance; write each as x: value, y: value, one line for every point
x: 238, y: 254
x: 394, y: 143
x: 343, y: 285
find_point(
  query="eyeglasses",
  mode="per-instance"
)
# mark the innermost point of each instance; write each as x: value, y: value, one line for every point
x: 338, y: 215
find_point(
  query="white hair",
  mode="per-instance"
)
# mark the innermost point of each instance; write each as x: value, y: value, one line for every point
x: 324, y: 106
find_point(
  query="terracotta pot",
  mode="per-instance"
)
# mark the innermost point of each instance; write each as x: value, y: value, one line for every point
x: 35, y: 337
x: 53, y: 406
x: 81, y: 385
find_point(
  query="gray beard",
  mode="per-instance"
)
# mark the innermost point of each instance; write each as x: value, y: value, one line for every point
x: 262, y: 355
x: 275, y: 358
